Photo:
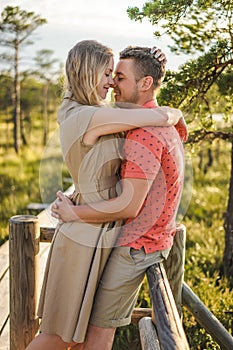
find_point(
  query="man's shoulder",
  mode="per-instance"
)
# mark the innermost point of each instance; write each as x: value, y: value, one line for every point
x: 151, y: 130
x: 164, y: 136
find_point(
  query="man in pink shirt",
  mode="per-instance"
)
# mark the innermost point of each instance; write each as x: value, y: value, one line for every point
x: 152, y: 180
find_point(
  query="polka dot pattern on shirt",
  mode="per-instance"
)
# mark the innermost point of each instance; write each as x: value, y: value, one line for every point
x: 153, y: 153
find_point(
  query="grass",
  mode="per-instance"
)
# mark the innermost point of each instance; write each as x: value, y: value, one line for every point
x: 37, y: 173
x: 32, y: 176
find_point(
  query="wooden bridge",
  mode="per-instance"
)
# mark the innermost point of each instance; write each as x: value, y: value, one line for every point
x: 22, y: 262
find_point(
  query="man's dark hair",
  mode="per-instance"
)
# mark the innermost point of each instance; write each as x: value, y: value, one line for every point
x: 145, y: 63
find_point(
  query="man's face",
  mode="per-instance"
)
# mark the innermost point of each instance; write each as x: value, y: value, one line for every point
x: 125, y: 89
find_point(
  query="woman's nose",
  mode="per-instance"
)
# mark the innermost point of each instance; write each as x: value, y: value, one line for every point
x: 111, y: 82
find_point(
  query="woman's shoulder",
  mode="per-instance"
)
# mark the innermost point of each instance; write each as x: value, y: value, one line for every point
x: 71, y: 108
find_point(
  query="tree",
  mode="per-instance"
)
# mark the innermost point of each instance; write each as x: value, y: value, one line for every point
x: 16, y: 26
x: 6, y: 110
x: 46, y: 73
x: 204, y: 29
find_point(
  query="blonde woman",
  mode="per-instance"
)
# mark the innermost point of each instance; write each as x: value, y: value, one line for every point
x: 90, y: 143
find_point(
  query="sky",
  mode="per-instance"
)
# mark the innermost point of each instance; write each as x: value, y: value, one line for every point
x: 104, y: 20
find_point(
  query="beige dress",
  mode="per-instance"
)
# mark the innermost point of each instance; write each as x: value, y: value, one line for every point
x: 79, y: 251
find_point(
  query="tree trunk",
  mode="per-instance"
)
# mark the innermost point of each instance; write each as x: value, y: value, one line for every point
x: 45, y: 113
x: 228, y: 226
x: 16, y: 102
x: 22, y: 130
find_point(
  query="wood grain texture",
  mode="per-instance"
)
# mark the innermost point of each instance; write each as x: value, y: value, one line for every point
x: 148, y: 334
x: 174, y: 266
x: 167, y: 320
x: 24, y: 254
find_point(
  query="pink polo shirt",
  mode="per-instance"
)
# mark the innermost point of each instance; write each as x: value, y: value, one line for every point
x: 154, y: 153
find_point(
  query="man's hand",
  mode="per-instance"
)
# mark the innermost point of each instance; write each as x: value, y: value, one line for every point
x: 62, y: 209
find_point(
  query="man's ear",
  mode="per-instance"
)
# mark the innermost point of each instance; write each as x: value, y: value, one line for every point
x: 146, y: 83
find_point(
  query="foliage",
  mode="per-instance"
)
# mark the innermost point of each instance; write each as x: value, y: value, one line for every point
x: 201, y: 87
x: 20, y: 174
x: 127, y: 338
x: 16, y: 26
x: 191, y: 87
x: 47, y: 74
x: 203, y: 29
x: 204, y: 222
x: 188, y: 21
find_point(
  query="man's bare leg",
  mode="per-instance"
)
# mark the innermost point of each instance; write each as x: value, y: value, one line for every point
x: 98, y: 338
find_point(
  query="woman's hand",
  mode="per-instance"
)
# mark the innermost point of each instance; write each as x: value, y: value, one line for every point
x: 176, y: 118
x: 182, y: 129
x: 159, y: 55
x: 62, y: 209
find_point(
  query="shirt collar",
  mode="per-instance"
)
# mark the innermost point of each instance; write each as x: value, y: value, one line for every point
x: 150, y: 104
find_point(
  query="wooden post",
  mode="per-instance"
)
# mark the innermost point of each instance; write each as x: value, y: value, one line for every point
x: 148, y: 334
x: 174, y: 266
x: 168, y: 324
x: 206, y: 319
x: 24, y: 249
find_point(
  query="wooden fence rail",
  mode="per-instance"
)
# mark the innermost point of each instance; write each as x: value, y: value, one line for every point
x: 166, y: 318
x: 206, y: 319
x: 25, y: 234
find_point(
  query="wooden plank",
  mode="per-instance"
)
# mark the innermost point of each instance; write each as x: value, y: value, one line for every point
x: 37, y: 206
x: 46, y: 234
x: 4, y: 293
x: 140, y: 312
x: 168, y: 324
x: 148, y: 334
x: 206, y: 319
x: 4, y: 296
x: 45, y: 218
x: 4, y: 286
x: 174, y: 266
x: 4, y: 300
x: 44, y: 250
x: 5, y: 337
x: 4, y: 258
x: 47, y: 223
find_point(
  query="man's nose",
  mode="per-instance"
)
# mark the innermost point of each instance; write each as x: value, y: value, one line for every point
x: 114, y: 82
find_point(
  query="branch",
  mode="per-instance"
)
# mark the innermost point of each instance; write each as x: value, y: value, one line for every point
x: 202, y: 134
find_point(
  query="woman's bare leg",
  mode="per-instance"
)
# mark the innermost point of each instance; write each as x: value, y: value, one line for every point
x: 48, y: 342
x: 78, y: 346
x: 97, y: 339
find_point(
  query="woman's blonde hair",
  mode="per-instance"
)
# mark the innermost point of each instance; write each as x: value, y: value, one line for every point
x: 85, y: 66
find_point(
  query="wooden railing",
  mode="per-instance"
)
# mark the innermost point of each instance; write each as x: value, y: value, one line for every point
x: 163, y: 328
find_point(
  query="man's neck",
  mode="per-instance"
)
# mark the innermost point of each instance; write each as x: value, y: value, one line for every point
x: 145, y: 99
x: 151, y: 103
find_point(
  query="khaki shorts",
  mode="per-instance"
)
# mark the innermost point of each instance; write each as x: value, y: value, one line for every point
x: 119, y: 286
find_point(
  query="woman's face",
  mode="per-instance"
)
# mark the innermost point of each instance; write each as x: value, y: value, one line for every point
x: 106, y: 81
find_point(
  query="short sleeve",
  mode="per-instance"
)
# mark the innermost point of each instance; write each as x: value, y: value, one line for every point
x: 142, y: 153
x: 74, y: 126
